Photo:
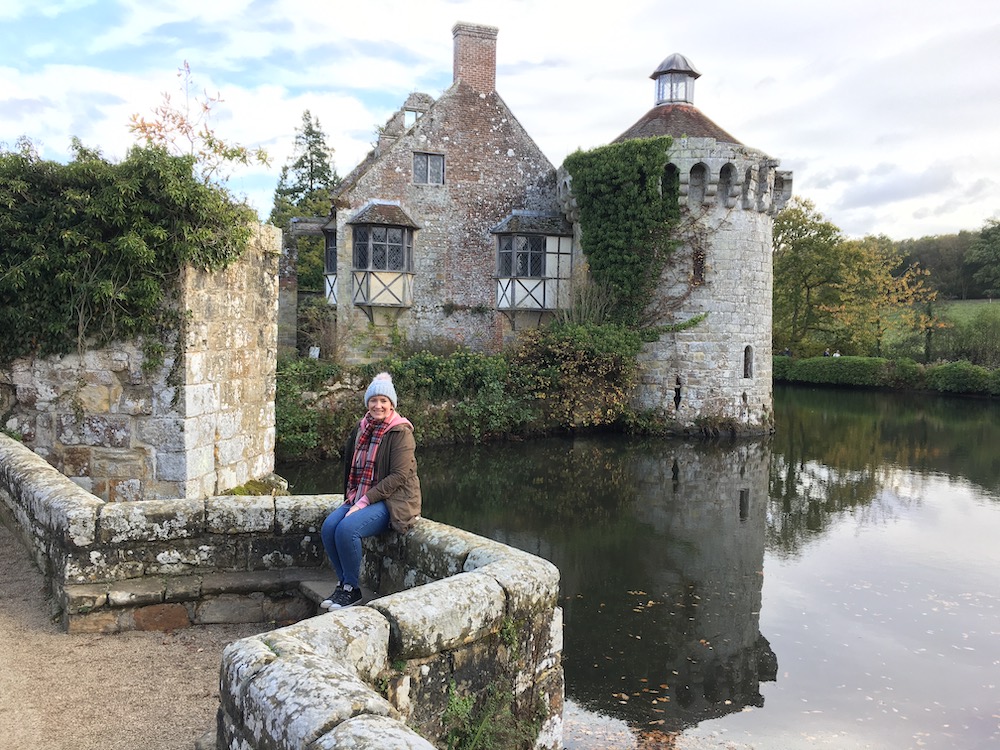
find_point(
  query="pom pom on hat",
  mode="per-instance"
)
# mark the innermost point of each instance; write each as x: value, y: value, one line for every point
x: 381, y: 385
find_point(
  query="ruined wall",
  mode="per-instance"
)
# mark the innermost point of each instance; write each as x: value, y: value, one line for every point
x: 159, y: 564
x: 198, y: 425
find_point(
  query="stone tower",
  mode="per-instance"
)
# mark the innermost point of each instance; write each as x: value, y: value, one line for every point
x: 717, y: 372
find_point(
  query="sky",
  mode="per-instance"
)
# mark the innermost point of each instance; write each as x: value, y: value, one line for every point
x: 886, y: 111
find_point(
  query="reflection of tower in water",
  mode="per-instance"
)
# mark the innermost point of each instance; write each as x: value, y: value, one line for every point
x: 707, y: 503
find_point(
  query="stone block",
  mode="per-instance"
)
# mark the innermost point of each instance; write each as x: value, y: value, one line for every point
x: 531, y: 583
x: 242, y: 581
x: 293, y: 702
x: 357, y: 638
x: 161, y: 617
x: 287, y: 608
x: 442, y: 615
x: 236, y: 514
x: 151, y: 520
x: 167, y: 434
x: 182, y: 588
x: 242, y: 661
x: 83, y: 598
x: 367, y: 732
x: 271, y: 552
x: 304, y: 514
x: 136, y: 592
x: 186, y: 556
x: 98, y: 565
x: 229, y: 608
x: 104, y: 621
x: 171, y: 466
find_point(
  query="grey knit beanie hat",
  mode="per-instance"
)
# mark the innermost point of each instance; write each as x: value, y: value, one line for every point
x: 381, y: 385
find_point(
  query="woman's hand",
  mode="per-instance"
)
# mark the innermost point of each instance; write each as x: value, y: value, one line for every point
x: 361, y: 503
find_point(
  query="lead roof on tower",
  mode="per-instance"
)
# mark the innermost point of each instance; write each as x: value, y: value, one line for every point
x: 676, y: 63
x: 676, y: 119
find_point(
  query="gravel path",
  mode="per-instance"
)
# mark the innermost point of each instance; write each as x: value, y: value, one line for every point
x: 129, y: 691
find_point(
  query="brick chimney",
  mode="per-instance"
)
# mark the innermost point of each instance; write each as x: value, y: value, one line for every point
x: 476, y: 56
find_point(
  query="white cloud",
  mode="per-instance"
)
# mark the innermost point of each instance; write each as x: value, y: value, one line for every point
x: 832, y: 89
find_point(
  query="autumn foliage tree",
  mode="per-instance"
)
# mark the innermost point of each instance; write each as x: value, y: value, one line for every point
x: 184, y: 129
x: 878, y: 295
x: 852, y: 294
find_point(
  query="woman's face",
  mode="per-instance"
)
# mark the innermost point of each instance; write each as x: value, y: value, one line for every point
x: 379, y: 408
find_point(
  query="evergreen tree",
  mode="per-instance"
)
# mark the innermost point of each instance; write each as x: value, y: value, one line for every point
x: 304, y: 190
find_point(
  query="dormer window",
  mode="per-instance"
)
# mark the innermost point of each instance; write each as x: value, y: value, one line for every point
x: 382, y: 258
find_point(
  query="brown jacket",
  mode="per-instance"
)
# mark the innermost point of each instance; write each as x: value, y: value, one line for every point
x: 396, y: 480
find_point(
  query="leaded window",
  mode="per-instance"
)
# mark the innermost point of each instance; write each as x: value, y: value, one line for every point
x: 521, y: 256
x: 428, y: 169
x: 382, y: 248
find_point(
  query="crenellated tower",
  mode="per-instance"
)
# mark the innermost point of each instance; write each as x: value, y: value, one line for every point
x: 717, y: 372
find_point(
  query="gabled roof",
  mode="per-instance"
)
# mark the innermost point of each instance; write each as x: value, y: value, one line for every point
x: 677, y: 120
x: 378, y: 212
x: 529, y: 222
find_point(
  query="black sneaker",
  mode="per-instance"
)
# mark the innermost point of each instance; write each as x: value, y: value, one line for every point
x: 328, y: 602
x: 345, y: 597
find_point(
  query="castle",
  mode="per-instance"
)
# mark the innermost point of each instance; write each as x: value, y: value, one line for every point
x: 457, y: 229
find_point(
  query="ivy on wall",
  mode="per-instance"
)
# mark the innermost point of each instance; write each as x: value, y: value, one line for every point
x: 628, y: 206
x: 91, y: 251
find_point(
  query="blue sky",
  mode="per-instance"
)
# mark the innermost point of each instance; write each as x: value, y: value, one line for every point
x: 887, y: 111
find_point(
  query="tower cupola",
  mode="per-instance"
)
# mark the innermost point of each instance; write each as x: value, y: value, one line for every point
x: 675, y: 80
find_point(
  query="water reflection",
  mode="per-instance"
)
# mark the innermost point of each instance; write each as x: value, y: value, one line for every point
x: 660, y: 546
x: 856, y: 548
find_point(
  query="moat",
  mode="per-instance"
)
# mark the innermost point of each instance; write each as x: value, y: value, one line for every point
x: 832, y: 586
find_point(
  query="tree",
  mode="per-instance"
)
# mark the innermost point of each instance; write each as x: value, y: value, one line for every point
x: 185, y: 131
x: 808, y: 269
x: 945, y: 256
x: 304, y: 190
x: 877, y: 297
x: 985, y: 257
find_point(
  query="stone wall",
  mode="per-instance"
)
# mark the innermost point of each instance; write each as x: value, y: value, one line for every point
x: 460, y: 616
x: 198, y: 425
x: 470, y: 617
x: 162, y: 564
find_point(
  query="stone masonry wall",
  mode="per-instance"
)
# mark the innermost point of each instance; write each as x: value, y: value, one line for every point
x: 470, y: 617
x: 126, y: 434
x: 460, y: 616
x: 162, y: 564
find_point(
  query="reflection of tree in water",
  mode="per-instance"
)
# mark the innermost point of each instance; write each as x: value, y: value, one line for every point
x: 834, y: 451
x: 660, y: 549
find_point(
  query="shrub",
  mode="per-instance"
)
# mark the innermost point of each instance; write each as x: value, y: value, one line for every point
x: 959, y: 377
x: 581, y: 375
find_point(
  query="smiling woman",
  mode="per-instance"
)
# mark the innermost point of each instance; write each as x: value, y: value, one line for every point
x: 381, y: 489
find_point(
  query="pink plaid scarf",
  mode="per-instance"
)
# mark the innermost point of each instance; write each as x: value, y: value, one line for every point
x: 362, y: 474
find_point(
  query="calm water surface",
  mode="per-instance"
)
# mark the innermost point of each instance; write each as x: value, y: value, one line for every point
x: 837, y: 585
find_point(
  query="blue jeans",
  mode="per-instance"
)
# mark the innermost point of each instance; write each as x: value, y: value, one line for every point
x: 342, y: 534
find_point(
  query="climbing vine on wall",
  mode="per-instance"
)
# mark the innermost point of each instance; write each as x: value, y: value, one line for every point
x: 91, y: 251
x: 628, y: 209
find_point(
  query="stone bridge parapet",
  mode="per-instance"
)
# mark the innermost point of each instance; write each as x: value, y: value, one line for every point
x: 459, y: 620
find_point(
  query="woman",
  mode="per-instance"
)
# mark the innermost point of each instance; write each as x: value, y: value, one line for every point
x: 381, y: 488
